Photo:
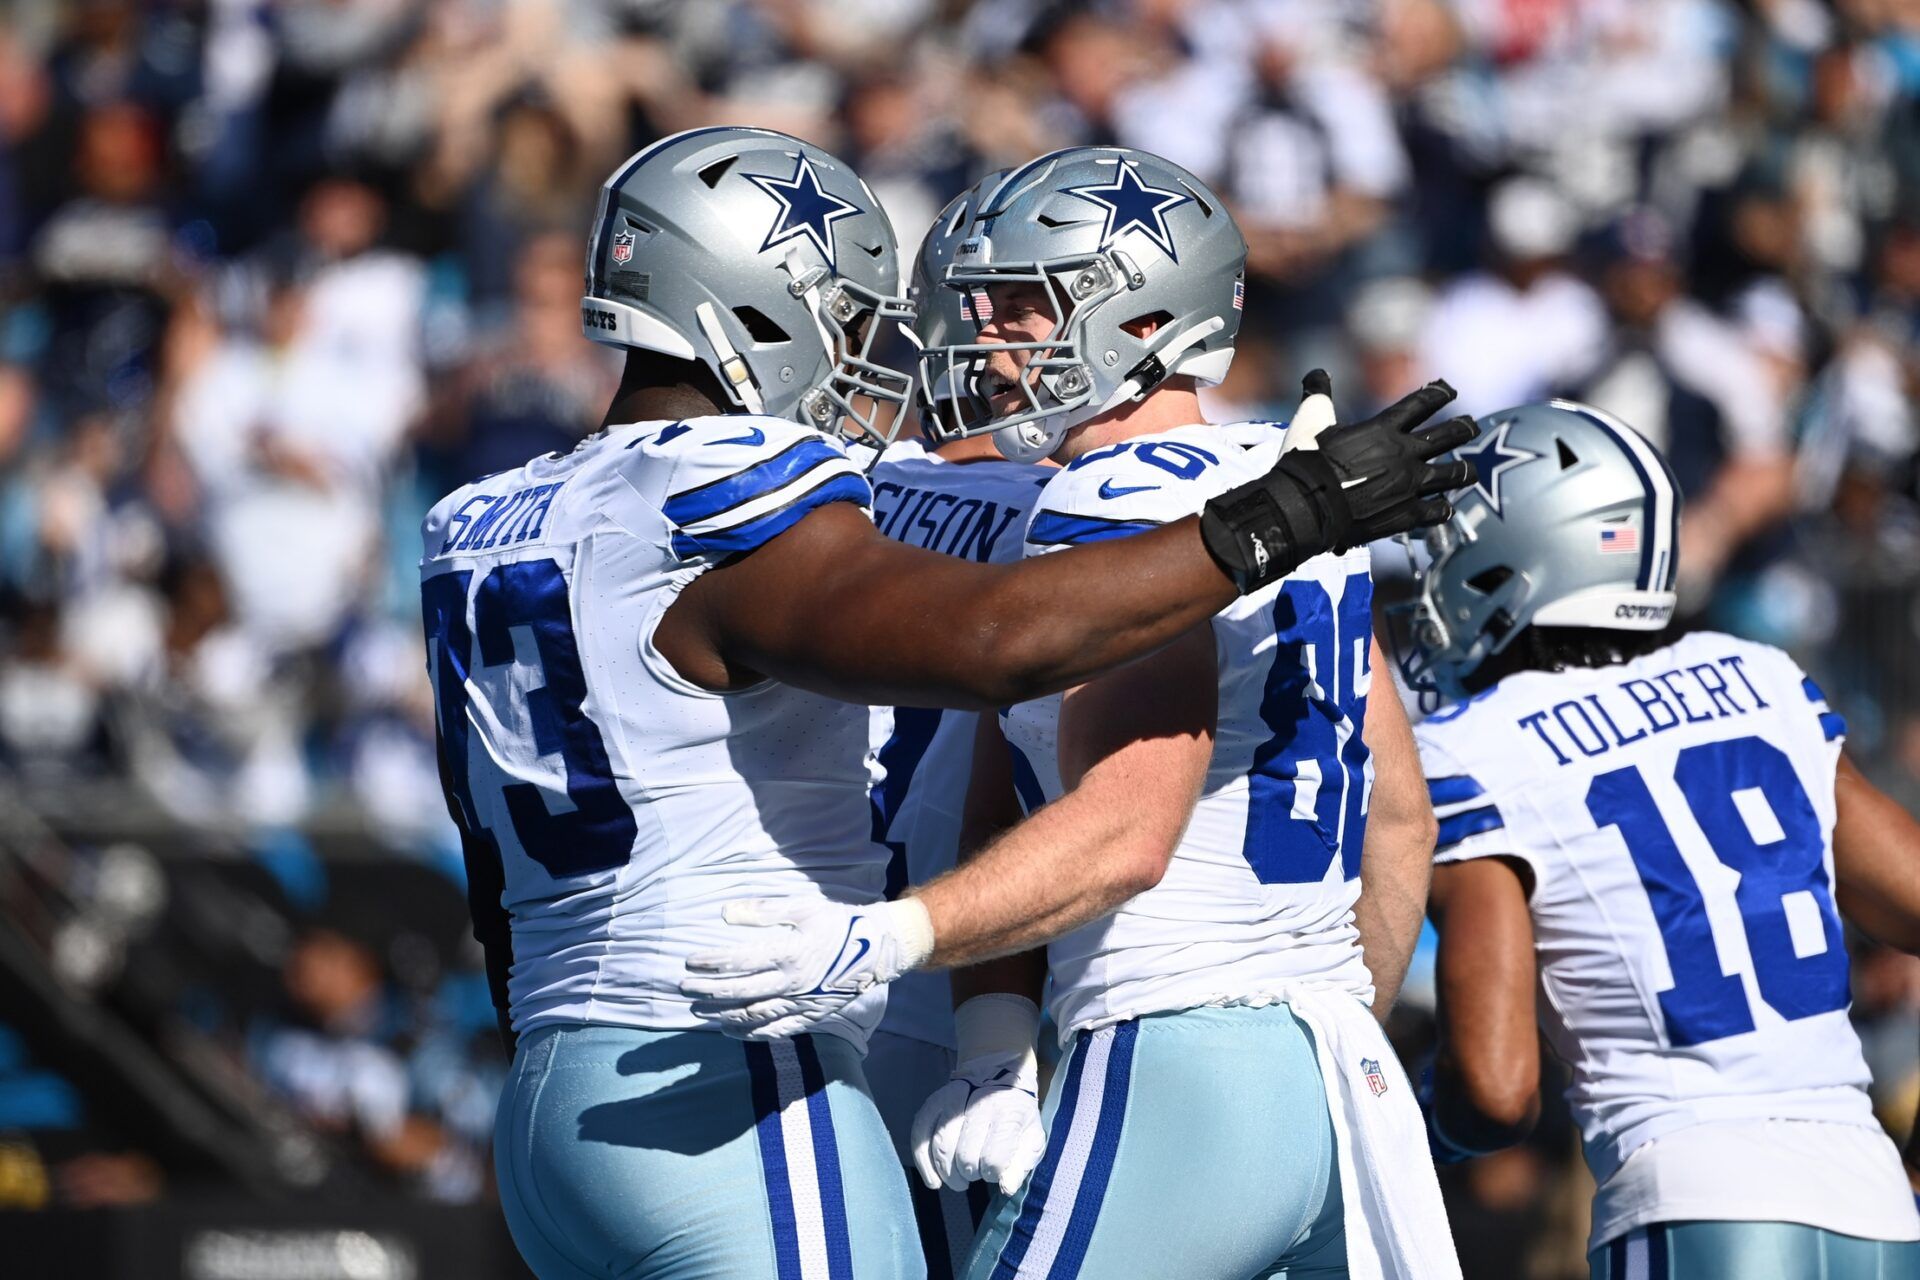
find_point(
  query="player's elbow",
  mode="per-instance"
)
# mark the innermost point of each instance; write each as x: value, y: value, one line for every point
x: 1138, y: 864
x: 1505, y: 1098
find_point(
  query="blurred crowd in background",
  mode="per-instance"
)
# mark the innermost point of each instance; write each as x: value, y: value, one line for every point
x: 274, y: 275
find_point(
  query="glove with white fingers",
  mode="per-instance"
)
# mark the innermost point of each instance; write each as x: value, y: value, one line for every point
x: 984, y: 1124
x: 1344, y: 487
x: 797, y: 962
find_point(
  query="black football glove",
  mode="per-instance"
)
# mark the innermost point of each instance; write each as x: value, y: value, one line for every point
x: 1361, y: 482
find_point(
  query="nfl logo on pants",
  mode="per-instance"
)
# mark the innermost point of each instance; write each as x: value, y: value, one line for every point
x: 1375, y: 1080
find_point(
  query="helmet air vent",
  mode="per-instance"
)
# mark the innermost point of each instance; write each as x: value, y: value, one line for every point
x: 1199, y: 197
x: 762, y: 330
x: 1568, y: 458
x: 712, y: 174
x: 1488, y: 581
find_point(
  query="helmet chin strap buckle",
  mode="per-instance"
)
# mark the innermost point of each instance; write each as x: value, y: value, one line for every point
x: 1155, y: 366
x: 733, y: 369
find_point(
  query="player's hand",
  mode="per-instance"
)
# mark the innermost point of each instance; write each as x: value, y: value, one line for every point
x: 1351, y: 485
x: 799, y: 961
x: 982, y: 1126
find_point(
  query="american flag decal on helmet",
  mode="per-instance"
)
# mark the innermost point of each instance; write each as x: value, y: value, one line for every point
x: 982, y: 305
x: 1620, y: 540
x: 1239, y: 295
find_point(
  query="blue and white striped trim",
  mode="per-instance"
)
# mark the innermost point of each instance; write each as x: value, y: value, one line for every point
x: 806, y: 1202
x: 1832, y: 723
x: 1452, y: 790
x: 738, y: 512
x: 1058, y: 528
x: 1061, y: 1204
x: 1641, y: 1254
x: 1461, y: 805
x: 1660, y: 518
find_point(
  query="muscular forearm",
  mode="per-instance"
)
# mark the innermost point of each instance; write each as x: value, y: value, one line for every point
x: 1396, y: 862
x: 946, y: 632
x: 1876, y: 861
x: 1393, y: 902
x: 1065, y: 866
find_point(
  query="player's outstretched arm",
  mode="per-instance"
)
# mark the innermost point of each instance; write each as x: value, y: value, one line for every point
x: 834, y: 606
x: 1876, y: 860
x: 1133, y: 753
x: 1487, y: 1068
x: 1396, y: 862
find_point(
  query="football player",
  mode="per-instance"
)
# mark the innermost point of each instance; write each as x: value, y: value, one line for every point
x: 1196, y: 862
x: 636, y: 649
x: 961, y: 498
x: 1659, y: 836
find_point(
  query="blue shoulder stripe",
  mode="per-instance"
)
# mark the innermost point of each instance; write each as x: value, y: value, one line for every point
x: 1471, y: 823
x: 843, y: 487
x: 1453, y: 789
x: 716, y: 497
x: 1812, y: 690
x: 1833, y: 724
x: 1057, y: 528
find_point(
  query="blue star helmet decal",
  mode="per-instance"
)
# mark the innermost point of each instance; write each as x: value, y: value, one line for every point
x: 805, y: 210
x: 1492, y: 459
x: 1131, y: 203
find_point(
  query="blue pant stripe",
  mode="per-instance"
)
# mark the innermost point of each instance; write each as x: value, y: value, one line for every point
x: 1657, y: 1251
x: 773, y: 1160
x: 1036, y: 1199
x: 1106, y: 1142
x: 826, y: 1161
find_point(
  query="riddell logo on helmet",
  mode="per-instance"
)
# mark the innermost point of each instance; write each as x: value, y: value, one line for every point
x: 1643, y: 612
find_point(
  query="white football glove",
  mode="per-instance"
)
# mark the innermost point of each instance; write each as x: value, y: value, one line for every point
x: 984, y: 1124
x: 797, y: 962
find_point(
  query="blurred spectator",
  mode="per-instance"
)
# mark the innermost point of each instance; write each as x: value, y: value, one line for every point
x: 1713, y: 397
x: 1525, y: 327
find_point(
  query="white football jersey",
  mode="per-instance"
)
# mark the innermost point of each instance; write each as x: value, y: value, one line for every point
x: 1259, y: 895
x: 608, y: 805
x: 1676, y: 812
x: 924, y: 755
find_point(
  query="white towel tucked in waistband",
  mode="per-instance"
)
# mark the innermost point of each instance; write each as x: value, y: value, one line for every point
x: 1396, y: 1224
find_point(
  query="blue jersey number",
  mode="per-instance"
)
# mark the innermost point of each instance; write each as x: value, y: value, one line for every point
x: 1704, y: 1003
x: 1316, y: 740
x: 529, y: 597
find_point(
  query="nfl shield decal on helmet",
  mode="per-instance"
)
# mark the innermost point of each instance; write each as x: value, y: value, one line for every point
x: 623, y: 245
x: 1376, y: 1081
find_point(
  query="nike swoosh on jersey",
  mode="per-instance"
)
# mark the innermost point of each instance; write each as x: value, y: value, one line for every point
x: 754, y: 436
x: 1108, y: 489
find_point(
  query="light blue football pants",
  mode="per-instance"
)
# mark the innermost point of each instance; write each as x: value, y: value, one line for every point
x: 903, y: 1073
x: 1180, y: 1146
x: 676, y: 1155
x: 1750, y: 1251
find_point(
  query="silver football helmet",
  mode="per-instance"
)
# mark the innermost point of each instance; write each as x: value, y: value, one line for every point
x: 1573, y: 521
x: 764, y: 258
x: 943, y: 315
x: 1112, y: 234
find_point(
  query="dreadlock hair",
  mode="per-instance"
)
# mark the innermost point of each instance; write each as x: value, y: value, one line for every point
x: 1562, y: 648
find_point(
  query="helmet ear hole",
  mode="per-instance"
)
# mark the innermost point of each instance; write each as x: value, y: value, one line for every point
x: 1488, y: 581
